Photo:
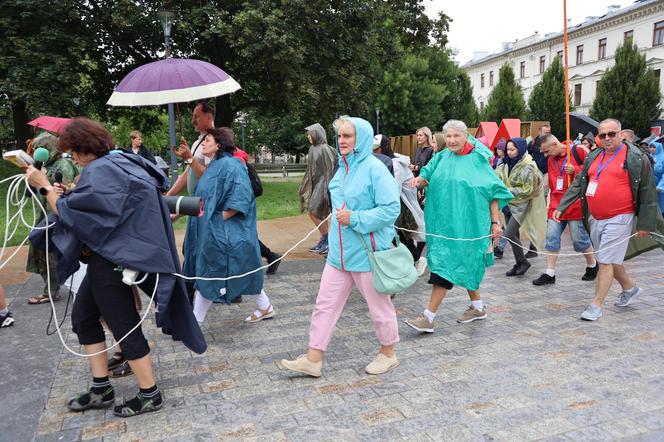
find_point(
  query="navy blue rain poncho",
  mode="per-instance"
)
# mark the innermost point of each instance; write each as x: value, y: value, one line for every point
x: 215, y: 247
x: 117, y: 211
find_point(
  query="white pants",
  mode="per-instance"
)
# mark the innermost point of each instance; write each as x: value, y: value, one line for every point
x: 202, y: 304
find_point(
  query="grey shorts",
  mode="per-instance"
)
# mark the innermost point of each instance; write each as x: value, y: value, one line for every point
x: 609, y: 237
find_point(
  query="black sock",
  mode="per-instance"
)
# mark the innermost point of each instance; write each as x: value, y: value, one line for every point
x: 100, y: 385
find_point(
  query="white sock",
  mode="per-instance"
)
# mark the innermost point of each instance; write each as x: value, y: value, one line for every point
x: 478, y: 305
x: 551, y: 272
x: 201, y: 307
x: 262, y: 301
x: 594, y: 265
x: 429, y: 315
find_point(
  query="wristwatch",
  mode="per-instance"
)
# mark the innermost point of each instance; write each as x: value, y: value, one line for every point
x: 496, y: 223
x: 45, y: 190
x: 189, y: 161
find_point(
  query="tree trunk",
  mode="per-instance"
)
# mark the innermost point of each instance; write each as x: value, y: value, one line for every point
x: 297, y: 158
x: 22, y: 131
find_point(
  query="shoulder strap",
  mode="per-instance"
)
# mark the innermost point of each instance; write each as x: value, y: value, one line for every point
x: 577, y: 157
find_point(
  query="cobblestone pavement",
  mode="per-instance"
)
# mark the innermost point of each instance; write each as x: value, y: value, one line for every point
x: 531, y: 371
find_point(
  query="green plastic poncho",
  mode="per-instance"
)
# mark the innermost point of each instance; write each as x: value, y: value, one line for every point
x: 460, y: 191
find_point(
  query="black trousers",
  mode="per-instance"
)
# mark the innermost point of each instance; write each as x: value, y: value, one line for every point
x: 265, y: 250
x: 102, y: 294
x: 415, y: 248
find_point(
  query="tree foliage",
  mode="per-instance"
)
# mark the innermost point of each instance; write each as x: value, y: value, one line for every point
x: 547, y: 101
x: 628, y: 91
x: 460, y: 103
x: 506, y: 99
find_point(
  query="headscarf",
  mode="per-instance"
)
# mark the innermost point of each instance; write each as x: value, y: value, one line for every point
x: 522, y: 147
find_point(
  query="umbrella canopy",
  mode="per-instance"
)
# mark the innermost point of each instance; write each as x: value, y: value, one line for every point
x: 51, y: 124
x: 580, y: 123
x: 172, y: 80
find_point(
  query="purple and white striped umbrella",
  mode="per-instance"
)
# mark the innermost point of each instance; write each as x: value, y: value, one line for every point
x: 172, y: 80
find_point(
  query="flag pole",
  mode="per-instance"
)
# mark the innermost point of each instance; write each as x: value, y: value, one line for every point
x: 565, y: 51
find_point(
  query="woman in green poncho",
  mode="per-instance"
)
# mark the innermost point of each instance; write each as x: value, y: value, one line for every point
x: 57, y: 163
x: 464, y: 199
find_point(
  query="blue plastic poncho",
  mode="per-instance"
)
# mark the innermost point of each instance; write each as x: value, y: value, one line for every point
x: 658, y: 169
x: 215, y: 247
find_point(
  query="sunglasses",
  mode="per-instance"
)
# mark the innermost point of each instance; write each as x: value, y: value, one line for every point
x: 611, y: 134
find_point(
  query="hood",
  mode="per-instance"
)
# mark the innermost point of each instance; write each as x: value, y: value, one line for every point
x: 522, y: 145
x: 500, y: 146
x: 363, y: 141
x: 659, y: 151
x: 318, y: 134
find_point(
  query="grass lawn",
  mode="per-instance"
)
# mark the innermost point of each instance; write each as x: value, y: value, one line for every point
x: 6, y: 170
x: 279, y: 199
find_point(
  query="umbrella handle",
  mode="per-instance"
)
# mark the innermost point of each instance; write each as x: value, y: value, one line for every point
x: 177, y: 109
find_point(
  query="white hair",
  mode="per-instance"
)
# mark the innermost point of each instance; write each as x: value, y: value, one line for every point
x: 611, y: 120
x: 342, y: 121
x: 456, y: 125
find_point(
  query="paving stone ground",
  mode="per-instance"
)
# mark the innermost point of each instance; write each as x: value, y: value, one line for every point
x: 531, y: 371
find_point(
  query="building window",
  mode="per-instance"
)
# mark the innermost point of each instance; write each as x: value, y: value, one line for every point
x: 601, y: 49
x: 542, y: 63
x: 560, y: 54
x: 577, y: 95
x: 597, y: 88
x: 579, y: 54
x: 658, y: 73
x: 490, y: 78
x: 658, y: 33
x: 481, y: 105
x: 522, y: 70
x: 481, y: 80
x: 628, y: 35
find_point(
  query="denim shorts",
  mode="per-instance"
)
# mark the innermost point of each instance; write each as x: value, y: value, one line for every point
x: 554, y: 231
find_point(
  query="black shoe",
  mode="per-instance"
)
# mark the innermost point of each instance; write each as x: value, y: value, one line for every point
x: 531, y: 254
x: 237, y: 300
x: 591, y: 273
x: 545, y: 279
x: 6, y: 320
x: 497, y: 253
x: 274, y: 264
x: 519, y: 269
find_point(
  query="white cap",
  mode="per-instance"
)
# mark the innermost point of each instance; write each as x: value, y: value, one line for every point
x: 377, y: 139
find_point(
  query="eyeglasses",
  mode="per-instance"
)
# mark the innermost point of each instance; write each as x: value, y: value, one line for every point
x: 611, y: 134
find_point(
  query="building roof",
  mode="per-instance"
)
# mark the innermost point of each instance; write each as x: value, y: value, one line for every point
x: 556, y: 35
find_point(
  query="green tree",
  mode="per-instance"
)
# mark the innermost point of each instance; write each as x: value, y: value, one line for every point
x: 411, y: 96
x: 628, y: 91
x: 460, y: 103
x: 547, y: 101
x: 506, y: 99
x: 41, y: 67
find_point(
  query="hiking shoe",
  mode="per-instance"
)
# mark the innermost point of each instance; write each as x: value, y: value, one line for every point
x: 545, y: 279
x: 147, y: 406
x: 498, y: 253
x: 274, y: 262
x: 519, y: 269
x: 303, y: 365
x: 315, y: 248
x: 591, y: 273
x: 626, y: 297
x: 421, y: 266
x: 591, y: 313
x: 472, y: 314
x: 324, y: 248
x: 421, y: 324
x: 6, y: 320
x: 382, y: 364
x: 87, y: 400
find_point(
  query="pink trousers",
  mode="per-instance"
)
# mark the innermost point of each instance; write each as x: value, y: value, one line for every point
x: 335, y: 288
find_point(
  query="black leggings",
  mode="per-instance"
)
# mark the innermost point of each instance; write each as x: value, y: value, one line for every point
x: 415, y: 248
x: 102, y: 294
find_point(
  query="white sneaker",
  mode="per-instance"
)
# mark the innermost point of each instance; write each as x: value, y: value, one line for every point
x: 421, y: 266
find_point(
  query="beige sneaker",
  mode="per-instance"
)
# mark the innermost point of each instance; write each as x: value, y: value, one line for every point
x: 421, y: 324
x: 303, y: 365
x: 472, y: 314
x: 421, y: 266
x: 382, y: 364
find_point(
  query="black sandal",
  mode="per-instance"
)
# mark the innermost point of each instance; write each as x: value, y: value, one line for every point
x: 87, y: 400
x: 116, y: 360
x: 122, y: 370
x: 147, y: 406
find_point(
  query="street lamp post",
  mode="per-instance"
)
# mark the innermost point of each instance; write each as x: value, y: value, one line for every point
x: 166, y: 18
x: 377, y: 121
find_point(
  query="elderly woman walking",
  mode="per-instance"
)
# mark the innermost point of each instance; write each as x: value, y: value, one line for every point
x: 527, y: 210
x: 314, y: 197
x: 365, y: 198
x: 464, y: 199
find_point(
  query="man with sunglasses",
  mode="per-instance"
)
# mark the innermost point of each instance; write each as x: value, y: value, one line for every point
x: 616, y: 188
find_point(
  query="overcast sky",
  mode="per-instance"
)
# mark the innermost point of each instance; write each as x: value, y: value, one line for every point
x: 482, y: 25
